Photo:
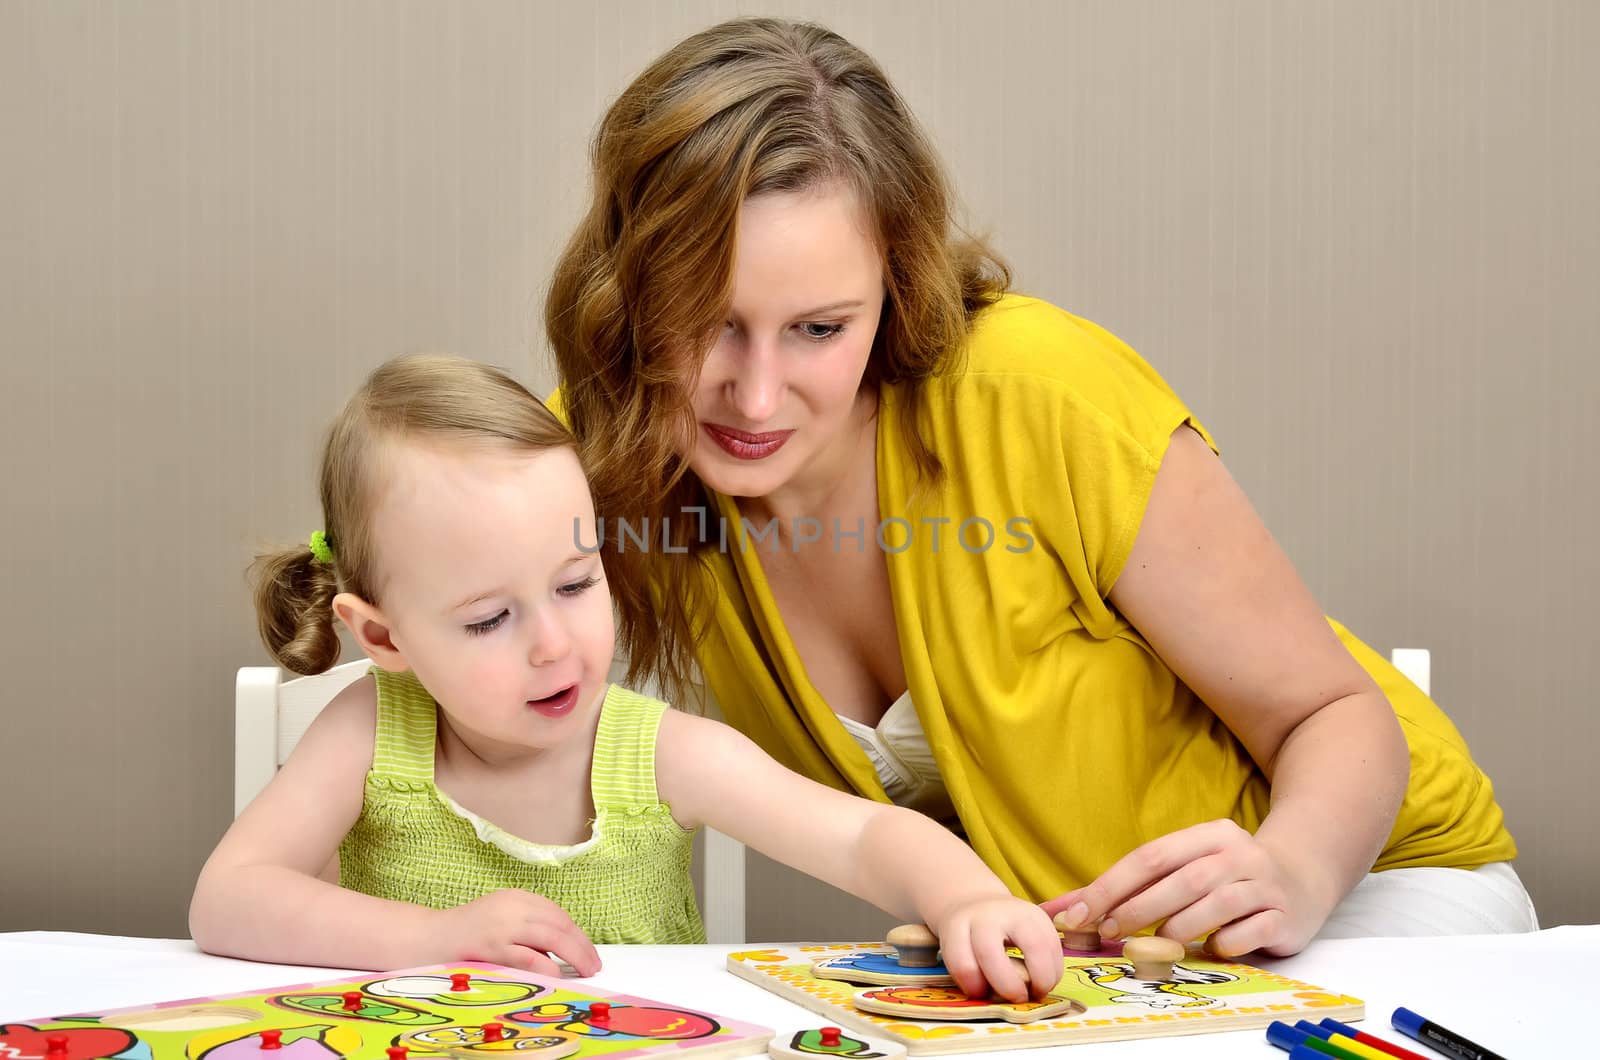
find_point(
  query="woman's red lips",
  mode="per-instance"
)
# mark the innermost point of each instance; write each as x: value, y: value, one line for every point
x: 745, y: 445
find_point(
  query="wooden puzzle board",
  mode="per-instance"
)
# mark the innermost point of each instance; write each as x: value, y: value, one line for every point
x: 420, y: 1008
x: 1209, y: 995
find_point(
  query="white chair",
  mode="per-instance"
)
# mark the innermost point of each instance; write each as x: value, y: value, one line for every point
x: 1416, y: 665
x: 271, y: 714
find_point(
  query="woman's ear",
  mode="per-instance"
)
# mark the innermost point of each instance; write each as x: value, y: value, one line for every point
x: 371, y: 630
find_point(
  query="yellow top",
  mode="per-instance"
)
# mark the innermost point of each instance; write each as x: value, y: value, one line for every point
x: 1063, y: 738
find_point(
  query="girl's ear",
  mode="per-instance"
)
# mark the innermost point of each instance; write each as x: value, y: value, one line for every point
x: 371, y: 630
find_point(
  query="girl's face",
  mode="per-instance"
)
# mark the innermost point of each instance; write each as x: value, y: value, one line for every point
x: 781, y: 386
x: 487, y: 597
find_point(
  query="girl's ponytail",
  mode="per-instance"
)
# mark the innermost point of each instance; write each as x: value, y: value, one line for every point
x: 294, y: 593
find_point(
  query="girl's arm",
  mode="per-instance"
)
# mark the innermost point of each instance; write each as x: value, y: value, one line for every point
x: 897, y: 859
x: 260, y: 895
x: 1212, y: 593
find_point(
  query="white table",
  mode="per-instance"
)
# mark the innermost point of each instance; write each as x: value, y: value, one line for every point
x: 1524, y: 996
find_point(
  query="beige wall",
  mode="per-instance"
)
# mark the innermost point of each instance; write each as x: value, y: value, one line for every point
x: 1361, y: 239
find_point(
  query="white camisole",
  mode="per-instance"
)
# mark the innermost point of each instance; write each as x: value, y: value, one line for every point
x: 898, y: 750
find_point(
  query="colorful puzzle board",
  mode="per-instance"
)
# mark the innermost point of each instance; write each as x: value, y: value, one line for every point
x: 420, y: 1008
x: 1206, y: 995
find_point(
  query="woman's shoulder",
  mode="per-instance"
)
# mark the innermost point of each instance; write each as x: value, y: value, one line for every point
x: 1024, y: 353
x: 1037, y: 340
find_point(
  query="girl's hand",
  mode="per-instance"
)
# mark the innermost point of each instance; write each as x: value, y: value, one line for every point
x: 517, y: 929
x: 1211, y: 877
x: 973, y: 938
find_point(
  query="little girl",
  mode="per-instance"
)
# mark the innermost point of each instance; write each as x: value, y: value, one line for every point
x: 485, y: 793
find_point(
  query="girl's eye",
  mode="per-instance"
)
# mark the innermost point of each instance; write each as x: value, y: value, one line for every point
x: 579, y: 587
x: 488, y: 625
x: 820, y: 332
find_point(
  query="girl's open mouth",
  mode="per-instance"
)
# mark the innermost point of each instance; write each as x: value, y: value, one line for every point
x: 554, y: 706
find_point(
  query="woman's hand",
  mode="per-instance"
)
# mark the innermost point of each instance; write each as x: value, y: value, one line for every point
x: 1208, y: 879
x: 972, y: 940
x: 517, y: 929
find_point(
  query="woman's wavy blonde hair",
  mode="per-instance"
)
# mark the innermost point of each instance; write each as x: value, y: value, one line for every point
x: 413, y: 397
x: 750, y: 106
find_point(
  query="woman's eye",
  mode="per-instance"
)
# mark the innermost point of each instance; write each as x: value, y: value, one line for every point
x: 488, y: 625
x: 820, y: 332
x: 579, y: 587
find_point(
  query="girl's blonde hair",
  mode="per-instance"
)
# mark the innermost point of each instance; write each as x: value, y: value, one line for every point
x: 415, y: 397
x: 750, y: 106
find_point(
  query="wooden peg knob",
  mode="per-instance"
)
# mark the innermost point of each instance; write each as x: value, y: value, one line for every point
x: 1153, y: 956
x: 916, y: 945
x: 1027, y: 980
x: 1076, y: 938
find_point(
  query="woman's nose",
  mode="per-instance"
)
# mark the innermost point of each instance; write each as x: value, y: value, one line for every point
x: 756, y: 387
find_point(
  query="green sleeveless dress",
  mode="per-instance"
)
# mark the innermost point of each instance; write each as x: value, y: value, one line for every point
x: 628, y: 883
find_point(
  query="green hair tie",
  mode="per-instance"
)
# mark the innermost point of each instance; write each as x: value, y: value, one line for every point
x: 321, y: 550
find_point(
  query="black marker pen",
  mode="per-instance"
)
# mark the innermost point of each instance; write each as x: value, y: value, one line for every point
x: 1445, y: 1041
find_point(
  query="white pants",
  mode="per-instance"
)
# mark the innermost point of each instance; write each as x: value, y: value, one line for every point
x: 1488, y: 900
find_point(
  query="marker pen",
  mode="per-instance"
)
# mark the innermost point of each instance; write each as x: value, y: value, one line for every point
x: 1443, y: 1039
x: 1372, y: 1040
x: 1294, y: 1040
x: 1341, y: 1040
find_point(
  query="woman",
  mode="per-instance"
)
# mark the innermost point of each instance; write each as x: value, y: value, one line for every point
x: 956, y: 548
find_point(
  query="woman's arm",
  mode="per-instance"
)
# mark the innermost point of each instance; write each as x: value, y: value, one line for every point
x: 261, y: 894
x: 1213, y: 594
x: 897, y: 859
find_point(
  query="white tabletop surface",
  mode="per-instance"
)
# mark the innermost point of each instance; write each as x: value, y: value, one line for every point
x: 1522, y: 996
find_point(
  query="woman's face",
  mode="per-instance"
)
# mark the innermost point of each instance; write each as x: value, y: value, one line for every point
x: 780, y: 389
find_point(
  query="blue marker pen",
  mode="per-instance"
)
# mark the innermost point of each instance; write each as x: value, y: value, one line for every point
x: 1283, y: 1035
x: 1434, y: 1036
x: 1303, y: 1046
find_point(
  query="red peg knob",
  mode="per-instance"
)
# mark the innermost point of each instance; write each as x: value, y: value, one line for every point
x: 272, y: 1039
x: 830, y: 1036
x: 397, y: 1052
x: 494, y: 1032
x: 458, y: 981
x: 352, y: 1000
x: 56, y: 1043
x: 600, y: 1012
